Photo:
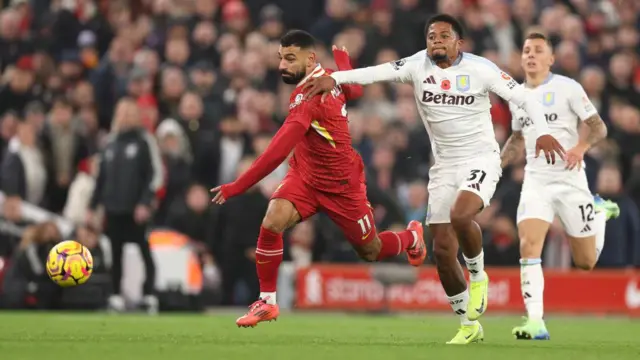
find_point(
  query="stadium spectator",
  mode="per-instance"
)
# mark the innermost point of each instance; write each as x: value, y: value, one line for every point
x: 130, y: 175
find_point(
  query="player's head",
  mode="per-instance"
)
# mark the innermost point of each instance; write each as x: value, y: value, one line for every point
x: 444, y: 37
x: 537, y: 54
x: 297, y: 56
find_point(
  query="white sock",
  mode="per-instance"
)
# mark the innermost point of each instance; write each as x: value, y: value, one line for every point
x: 475, y: 267
x: 270, y: 297
x: 459, y: 305
x: 600, y: 224
x: 532, y: 284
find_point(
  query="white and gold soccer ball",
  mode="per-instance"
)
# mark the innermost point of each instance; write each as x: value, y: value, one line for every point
x: 69, y: 264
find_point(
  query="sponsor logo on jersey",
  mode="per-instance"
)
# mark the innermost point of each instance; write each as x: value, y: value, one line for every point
x: 446, y: 99
x: 548, y: 98
x: 398, y: 64
x: 526, y: 121
x: 462, y: 83
x: 505, y: 76
x: 445, y: 84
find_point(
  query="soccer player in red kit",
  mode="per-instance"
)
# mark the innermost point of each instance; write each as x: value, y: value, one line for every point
x: 326, y: 174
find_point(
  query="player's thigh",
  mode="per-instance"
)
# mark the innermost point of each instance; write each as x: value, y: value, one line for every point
x: 576, y: 211
x: 442, y: 194
x: 577, y: 214
x: 292, y: 202
x: 479, y: 177
x: 353, y: 214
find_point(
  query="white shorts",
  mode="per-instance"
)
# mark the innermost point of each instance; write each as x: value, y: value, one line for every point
x: 566, y: 195
x: 479, y: 176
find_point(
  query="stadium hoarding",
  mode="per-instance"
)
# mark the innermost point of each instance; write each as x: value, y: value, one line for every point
x: 354, y: 287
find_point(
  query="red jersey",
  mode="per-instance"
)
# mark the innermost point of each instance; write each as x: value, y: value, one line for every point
x: 324, y: 159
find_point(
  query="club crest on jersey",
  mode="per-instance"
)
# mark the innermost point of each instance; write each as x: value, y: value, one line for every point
x: 548, y: 99
x: 296, y: 101
x: 445, y: 84
x: 462, y: 83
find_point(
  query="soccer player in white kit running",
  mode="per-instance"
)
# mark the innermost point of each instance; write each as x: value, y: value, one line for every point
x: 452, y: 93
x: 561, y: 189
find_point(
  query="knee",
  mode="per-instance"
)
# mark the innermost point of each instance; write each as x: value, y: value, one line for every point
x: 274, y: 223
x: 460, y: 217
x: 585, y: 262
x: 371, y: 251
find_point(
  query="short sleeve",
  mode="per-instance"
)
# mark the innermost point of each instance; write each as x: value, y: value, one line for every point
x: 580, y: 103
x: 515, y: 124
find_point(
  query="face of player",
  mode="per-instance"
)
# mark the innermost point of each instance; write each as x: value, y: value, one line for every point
x: 442, y: 42
x: 537, y: 57
x: 294, y: 63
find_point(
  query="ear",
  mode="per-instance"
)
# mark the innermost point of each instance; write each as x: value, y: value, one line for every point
x: 312, y: 58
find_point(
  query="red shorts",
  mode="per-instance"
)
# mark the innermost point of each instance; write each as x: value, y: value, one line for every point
x: 350, y: 211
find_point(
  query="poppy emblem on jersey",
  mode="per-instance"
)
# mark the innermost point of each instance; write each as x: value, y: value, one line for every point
x: 462, y: 83
x: 505, y: 76
x: 445, y: 84
x: 548, y: 99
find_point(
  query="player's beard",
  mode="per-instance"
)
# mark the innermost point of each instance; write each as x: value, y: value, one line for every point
x: 439, y: 56
x: 292, y: 78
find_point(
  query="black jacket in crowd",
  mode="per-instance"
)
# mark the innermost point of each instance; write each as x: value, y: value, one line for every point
x: 130, y: 173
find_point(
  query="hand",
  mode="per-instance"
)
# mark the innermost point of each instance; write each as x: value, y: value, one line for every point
x: 141, y: 214
x: 219, y: 198
x: 550, y: 146
x: 315, y: 86
x: 575, y: 156
x: 343, y: 49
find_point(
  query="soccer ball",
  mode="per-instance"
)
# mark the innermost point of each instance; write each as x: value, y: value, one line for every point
x: 69, y: 264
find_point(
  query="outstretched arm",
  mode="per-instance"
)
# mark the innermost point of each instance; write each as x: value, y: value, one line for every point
x: 341, y: 57
x: 279, y: 148
x: 395, y: 71
x: 290, y: 134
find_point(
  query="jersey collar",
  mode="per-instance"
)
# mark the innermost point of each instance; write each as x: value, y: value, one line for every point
x: 454, y: 63
x: 546, y: 81
x: 318, y: 71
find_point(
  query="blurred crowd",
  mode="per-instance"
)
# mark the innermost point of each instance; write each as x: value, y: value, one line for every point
x: 204, y: 76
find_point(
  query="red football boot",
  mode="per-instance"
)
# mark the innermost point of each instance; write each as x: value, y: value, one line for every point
x: 417, y: 254
x: 259, y: 311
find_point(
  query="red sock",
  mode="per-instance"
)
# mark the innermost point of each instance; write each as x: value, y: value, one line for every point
x: 393, y: 243
x: 268, y: 259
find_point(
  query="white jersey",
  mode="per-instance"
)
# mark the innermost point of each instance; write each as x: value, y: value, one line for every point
x: 565, y: 106
x: 453, y: 102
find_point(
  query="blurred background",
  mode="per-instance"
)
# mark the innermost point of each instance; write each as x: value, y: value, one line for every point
x: 203, y: 74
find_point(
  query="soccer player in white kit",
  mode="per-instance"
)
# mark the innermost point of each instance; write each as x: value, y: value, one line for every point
x: 560, y: 189
x: 452, y: 93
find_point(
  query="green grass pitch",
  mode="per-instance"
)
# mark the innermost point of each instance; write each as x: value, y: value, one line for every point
x: 300, y: 336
